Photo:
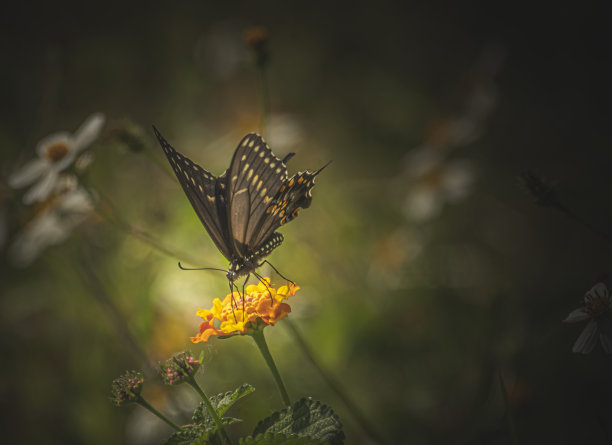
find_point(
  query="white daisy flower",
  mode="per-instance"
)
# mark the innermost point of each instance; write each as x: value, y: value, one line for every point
x: 56, y: 152
x: 596, y: 309
x: 52, y: 226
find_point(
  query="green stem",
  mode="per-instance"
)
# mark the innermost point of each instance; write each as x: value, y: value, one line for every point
x: 142, y: 402
x: 260, y: 341
x: 508, y: 415
x: 359, y: 417
x: 265, y: 101
x: 212, y: 411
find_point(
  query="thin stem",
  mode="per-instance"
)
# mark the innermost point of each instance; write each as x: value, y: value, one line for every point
x: 98, y: 291
x: 265, y: 101
x: 508, y: 415
x: 582, y: 222
x: 115, y: 220
x: 142, y: 402
x: 163, y: 166
x: 212, y: 411
x: 359, y: 417
x: 260, y: 341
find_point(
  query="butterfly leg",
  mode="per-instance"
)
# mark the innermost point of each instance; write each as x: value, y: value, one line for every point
x: 232, y: 285
x: 276, y: 270
x: 243, y: 285
x: 260, y: 278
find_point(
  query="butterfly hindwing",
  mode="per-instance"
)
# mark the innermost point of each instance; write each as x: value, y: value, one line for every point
x: 254, y: 178
x: 206, y: 194
x: 292, y: 196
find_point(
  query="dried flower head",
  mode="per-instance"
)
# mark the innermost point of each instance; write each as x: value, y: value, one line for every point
x: 256, y: 38
x: 543, y: 194
x: 126, y: 389
x: 183, y: 365
x: 261, y: 305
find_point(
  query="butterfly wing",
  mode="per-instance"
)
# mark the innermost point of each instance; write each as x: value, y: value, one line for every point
x: 254, y: 178
x: 206, y: 193
x: 292, y: 196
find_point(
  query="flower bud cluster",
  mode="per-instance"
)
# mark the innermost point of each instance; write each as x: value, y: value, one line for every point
x: 126, y: 389
x: 180, y: 367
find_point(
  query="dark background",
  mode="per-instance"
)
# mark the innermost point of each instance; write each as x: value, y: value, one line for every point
x: 416, y: 318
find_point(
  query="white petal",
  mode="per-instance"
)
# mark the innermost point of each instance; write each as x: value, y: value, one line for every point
x: 53, y: 139
x: 77, y: 201
x: 28, y: 173
x: 36, y: 237
x: 42, y: 189
x: 89, y: 131
x: 587, y: 339
x: 457, y: 180
x: 606, y: 342
x: 577, y: 315
x: 422, y: 204
x: 598, y: 291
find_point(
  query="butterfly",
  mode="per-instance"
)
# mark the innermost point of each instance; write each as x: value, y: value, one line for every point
x: 242, y: 208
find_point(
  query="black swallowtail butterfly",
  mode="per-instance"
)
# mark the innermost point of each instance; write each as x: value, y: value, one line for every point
x: 242, y: 208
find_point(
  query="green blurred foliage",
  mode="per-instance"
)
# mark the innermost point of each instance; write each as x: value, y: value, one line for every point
x: 416, y: 319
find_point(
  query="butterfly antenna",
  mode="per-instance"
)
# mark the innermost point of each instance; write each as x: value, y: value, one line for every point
x: 199, y: 268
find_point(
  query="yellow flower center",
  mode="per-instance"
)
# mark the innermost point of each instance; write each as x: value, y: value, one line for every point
x: 597, y: 306
x: 56, y: 152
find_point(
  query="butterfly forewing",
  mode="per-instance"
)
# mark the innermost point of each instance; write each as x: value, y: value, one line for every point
x: 205, y: 192
x: 254, y: 178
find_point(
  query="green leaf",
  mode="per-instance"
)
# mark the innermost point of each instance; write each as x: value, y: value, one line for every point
x: 221, y: 402
x: 305, y: 418
x: 279, y: 439
x: 194, y: 435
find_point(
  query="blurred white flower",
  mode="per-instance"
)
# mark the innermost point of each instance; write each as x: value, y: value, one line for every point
x: 596, y: 309
x: 56, y: 152
x: 432, y: 181
x: 52, y: 226
x: 285, y: 132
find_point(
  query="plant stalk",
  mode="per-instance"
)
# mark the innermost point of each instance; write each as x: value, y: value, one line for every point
x: 260, y: 341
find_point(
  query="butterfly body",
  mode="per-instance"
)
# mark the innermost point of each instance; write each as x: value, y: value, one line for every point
x: 242, y: 208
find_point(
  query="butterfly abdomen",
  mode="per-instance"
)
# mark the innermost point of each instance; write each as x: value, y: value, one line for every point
x: 243, y: 266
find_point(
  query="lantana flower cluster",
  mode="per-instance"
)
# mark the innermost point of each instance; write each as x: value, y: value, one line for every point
x: 260, y: 305
x: 126, y: 389
x: 180, y: 367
